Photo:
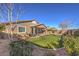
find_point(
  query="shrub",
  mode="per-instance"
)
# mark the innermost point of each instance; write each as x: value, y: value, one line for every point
x: 61, y: 42
x: 2, y: 27
x: 72, y: 45
x: 20, y: 48
x: 76, y: 33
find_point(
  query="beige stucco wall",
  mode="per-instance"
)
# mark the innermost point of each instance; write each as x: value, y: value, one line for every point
x: 15, y: 31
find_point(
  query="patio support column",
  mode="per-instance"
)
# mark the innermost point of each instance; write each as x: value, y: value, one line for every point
x: 34, y: 31
x: 37, y: 31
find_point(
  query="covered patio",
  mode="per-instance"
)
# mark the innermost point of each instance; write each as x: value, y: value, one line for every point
x: 39, y: 30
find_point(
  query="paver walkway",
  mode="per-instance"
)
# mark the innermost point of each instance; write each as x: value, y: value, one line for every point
x: 4, y: 47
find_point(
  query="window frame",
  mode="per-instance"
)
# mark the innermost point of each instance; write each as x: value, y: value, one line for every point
x: 22, y: 27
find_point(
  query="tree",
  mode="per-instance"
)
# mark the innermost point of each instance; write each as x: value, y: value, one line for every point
x: 10, y: 12
x: 65, y: 25
x: 61, y: 42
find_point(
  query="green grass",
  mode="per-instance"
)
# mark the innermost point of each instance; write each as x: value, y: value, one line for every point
x: 50, y: 41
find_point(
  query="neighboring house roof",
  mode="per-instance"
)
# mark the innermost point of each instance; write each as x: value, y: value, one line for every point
x: 51, y: 28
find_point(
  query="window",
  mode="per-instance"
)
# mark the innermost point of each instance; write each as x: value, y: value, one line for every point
x: 21, y: 29
x: 40, y: 30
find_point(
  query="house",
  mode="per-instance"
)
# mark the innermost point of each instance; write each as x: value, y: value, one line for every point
x: 72, y: 32
x: 27, y: 27
x: 51, y: 30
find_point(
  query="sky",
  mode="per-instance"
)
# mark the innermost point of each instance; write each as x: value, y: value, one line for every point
x: 50, y: 14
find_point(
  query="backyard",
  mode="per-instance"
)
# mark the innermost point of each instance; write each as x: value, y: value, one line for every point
x: 42, y: 45
x: 54, y: 42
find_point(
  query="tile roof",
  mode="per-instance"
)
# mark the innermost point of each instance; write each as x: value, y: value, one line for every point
x: 23, y: 21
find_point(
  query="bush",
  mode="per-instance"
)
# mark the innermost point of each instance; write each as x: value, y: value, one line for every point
x: 76, y: 33
x: 20, y: 48
x: 61, y: 42
x: 72, y: 45
x: 2, y: 27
